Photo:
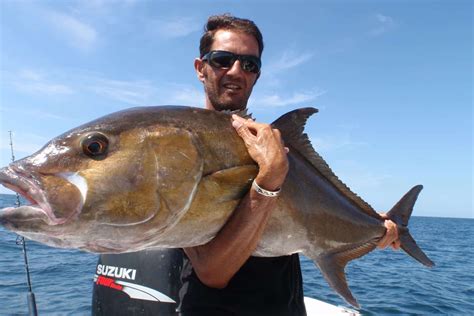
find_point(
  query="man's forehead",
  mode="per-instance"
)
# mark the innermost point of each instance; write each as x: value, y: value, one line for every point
x: 236, y: 42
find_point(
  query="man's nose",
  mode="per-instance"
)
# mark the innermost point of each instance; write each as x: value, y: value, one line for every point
x: 236, y: 68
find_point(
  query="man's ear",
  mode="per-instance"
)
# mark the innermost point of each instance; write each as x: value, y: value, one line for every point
x: 199, y: 67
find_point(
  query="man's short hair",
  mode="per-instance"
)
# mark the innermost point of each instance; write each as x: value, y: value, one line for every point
x: 228, y: 22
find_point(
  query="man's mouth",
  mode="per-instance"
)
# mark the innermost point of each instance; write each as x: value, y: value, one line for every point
x: 232, y: 86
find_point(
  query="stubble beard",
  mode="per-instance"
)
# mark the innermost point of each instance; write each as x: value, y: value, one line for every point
x: 219, y: 103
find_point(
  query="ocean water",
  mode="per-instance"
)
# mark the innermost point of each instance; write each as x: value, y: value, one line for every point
x: 384, y: 282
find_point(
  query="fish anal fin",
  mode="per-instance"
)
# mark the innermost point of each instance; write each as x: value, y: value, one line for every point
x: 332, y: 267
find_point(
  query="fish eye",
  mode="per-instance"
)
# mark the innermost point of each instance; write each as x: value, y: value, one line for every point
x: 95, y: 146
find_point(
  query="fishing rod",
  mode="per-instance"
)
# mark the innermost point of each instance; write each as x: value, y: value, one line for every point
x: 20, y: 240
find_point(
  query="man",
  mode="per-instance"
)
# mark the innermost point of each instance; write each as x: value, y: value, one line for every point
x: 221, y: 277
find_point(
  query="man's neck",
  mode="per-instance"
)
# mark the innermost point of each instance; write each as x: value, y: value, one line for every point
x: 209, y: 106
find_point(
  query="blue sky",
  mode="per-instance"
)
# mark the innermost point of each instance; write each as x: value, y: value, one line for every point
x: 392, y: 80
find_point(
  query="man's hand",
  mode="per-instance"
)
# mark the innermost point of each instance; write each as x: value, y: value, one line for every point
x: 391, y: 236
x: 266, y: 148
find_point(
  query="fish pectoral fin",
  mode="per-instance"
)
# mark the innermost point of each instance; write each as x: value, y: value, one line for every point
x: 332, y: 267
x: 229, y: 184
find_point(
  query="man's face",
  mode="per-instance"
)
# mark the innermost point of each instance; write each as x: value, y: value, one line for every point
x: 228, y: 89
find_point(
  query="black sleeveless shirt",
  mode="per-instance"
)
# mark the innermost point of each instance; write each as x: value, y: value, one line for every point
x: 263, y: 286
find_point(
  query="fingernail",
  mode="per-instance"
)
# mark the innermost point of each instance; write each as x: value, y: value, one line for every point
x: 236, y: 124
x: 236, y: 117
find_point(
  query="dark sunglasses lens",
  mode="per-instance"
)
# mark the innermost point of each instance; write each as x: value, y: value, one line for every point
x: 250, y: 65
x: 222, y: 59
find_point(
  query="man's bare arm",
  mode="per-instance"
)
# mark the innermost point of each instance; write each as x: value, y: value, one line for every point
x: 217, y: 262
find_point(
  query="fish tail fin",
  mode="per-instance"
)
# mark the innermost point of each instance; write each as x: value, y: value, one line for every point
x: 400, y: 214
x: 332, y: 264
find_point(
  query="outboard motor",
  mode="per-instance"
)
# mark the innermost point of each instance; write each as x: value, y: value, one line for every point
x: 138, y: 283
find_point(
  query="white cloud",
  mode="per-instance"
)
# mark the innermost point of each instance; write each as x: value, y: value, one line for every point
x: 145, y: 93
x: 384, y: 18
x: 175, y: 27
x: 288, y: 59
x: 138, y: 92
x: 44, y: 88
x: 277, y: 100
x: 186, y: 95
x: 24, y: 144
x: 98, y: 4
x: 64, y: 82
x: 34, y: 82
x: 385, y: 23
x: 336, y: 142
x: 358, y: 176
x: 30, y: 74
x: 78, y: 34
x: 37, y: 112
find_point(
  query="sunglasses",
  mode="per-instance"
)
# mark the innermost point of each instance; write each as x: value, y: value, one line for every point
x: 224, y: 59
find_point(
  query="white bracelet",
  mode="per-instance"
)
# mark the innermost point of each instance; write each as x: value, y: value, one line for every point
x: 264, y: 192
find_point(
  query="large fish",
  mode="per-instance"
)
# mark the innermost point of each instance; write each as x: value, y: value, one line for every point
x: 171, y: 176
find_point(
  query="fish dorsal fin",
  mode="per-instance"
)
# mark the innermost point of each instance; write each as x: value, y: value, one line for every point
x: 291, y: 126
x: 242, y: 113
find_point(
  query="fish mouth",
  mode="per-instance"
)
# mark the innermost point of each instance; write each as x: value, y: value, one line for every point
x: 28, y: 187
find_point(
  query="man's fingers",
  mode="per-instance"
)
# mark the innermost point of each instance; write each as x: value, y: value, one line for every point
x: 250, y: 130
x: 396, y: 244
x: 243, y: 130
x: 236, y: 123
x: 390, y: 237
x: 383, y: 243
x: 277, y: 134
x: 252, y: 127
x: 251, y: 124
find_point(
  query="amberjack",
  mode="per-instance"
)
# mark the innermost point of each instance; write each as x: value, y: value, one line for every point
x: 171, y: 176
